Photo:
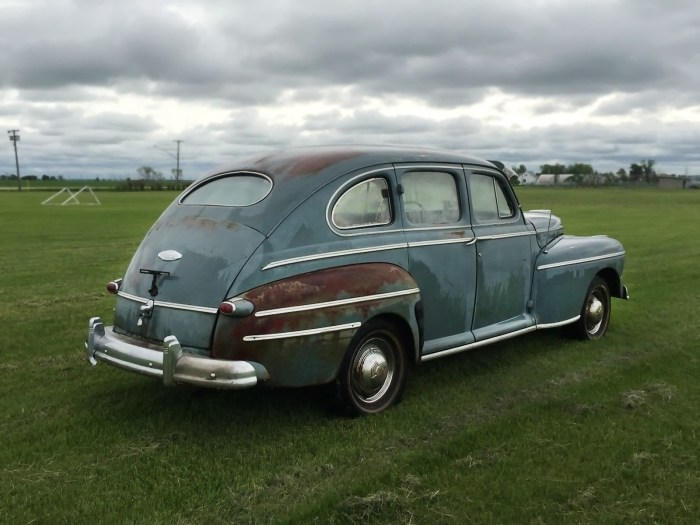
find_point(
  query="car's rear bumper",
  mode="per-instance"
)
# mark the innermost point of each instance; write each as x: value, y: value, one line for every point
x: 169, y: 363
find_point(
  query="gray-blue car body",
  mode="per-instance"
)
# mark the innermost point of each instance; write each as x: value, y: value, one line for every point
x: 344, y: 266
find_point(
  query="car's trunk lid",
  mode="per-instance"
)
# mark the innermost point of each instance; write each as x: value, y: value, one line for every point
x: 181, y: 272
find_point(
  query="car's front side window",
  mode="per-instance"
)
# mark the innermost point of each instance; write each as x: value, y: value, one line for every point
x: 363, y: 205
x: 489, y: 199
x: 430, y: 197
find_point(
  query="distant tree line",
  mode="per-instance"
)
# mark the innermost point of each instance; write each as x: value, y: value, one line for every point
x: 582, y: 174
x: 12, y: 176
x: 151, y: 179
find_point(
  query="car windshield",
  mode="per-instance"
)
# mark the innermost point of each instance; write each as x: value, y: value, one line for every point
x: 239, y: 189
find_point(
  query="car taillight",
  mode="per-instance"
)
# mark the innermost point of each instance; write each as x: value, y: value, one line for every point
x: 236, y: 308
x: 113, y: 287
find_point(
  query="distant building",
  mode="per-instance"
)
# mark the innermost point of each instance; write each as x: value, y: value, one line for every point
x: 545, y: 179
x: 672, y: 182
x: 528, y: 178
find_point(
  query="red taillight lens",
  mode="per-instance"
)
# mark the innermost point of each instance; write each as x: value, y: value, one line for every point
x: 227, y: 308
x: 113, y: 287
x: 237, y: 307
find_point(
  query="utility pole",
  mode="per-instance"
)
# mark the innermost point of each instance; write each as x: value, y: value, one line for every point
x: 175, y: 156
x: 177, y: 172
x: 14, y: 137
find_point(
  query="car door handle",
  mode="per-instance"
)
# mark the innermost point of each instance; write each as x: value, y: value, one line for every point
x: 470, y: 241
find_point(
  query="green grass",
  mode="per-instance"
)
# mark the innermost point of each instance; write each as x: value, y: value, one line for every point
x: 539, y: 429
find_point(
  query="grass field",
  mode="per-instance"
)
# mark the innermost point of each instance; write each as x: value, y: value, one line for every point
x: 539, y: 429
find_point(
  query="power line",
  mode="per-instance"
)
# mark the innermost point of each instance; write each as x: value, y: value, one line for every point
x: 178, y: 173
x: 14, y: 137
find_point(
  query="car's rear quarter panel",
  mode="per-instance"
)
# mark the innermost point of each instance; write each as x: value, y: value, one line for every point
x: 310, y: 301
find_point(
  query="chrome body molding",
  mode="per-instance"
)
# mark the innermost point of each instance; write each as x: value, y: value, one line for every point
x: 339, y: 302
x: 303, y: 333
x: 558, y: 324
x: 581, y: 261
x: 372, y: 249
x: 174, y: 306
x: 502, y: 337
x: 360, y: 232
x: 430, y: 166
x: 505, y: 236
x: 329, y: 255
x: 171, y: 363
x: 476, y: 344
x: 467, y: 242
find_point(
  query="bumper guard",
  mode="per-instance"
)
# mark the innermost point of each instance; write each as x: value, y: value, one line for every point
x: 171, y: 364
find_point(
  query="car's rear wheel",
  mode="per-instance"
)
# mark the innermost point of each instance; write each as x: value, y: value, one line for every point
x: 595, y: 312
x: 373, y: 374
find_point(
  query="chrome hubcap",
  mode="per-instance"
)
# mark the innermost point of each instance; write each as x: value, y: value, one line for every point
x: 372, y: 372
x: 595, y: 310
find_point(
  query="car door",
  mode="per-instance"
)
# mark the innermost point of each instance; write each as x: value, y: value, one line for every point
x: 441, y: 248
x: 504, y: 255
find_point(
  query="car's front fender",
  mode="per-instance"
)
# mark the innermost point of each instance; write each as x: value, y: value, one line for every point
x: 564, y: 270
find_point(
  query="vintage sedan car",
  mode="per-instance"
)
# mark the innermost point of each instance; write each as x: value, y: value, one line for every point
x: 343, y: 266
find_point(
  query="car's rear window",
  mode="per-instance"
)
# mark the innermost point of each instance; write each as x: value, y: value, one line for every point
x: 234, y: 189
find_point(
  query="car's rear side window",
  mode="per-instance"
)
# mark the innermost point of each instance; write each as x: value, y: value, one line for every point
x: 365, y: 204
x: 234, y: 189
x: 430, y: 197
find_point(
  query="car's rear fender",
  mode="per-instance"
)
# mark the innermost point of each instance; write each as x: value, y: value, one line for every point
x: 301, y: 325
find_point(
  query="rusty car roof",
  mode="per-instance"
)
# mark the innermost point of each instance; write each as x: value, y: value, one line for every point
x: 298, y: 172
x: 332, y: 161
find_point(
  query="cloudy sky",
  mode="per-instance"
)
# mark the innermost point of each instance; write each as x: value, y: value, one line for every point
x: 99, y: 88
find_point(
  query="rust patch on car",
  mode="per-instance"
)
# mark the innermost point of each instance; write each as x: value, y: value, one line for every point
x: 329, y: 285
x: 316, y: 163
x: 322, y: 352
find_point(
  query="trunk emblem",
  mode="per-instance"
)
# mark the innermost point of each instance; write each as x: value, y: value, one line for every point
x: 169, y: 255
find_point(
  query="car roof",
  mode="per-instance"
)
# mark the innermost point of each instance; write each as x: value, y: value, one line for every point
x: 328, y: 162
x: 298, y: 172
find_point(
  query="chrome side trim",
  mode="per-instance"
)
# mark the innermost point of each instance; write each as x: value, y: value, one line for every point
x: 187, y: 307
x: 476, y: 344
x: 371, y: 249
x: 558, y: 324
x: 132, y: 297
x: 328, y: 255
x: 505, y: 236
x: 339, y: 302
x: 401, y: 230
x: 580, y: 261
x: 302, y: 333
x: 174, y: 306
x: 453, y: 167
x: 417, y: 244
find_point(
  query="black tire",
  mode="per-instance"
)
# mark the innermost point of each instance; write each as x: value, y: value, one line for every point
x: 595, y: 312
x: 373, y: 375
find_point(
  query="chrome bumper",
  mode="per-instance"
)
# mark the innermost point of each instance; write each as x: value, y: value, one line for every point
x: 171, y: 364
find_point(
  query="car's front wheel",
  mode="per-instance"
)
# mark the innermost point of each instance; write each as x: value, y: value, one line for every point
x: 373, y: 375
x: 595, y: 312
